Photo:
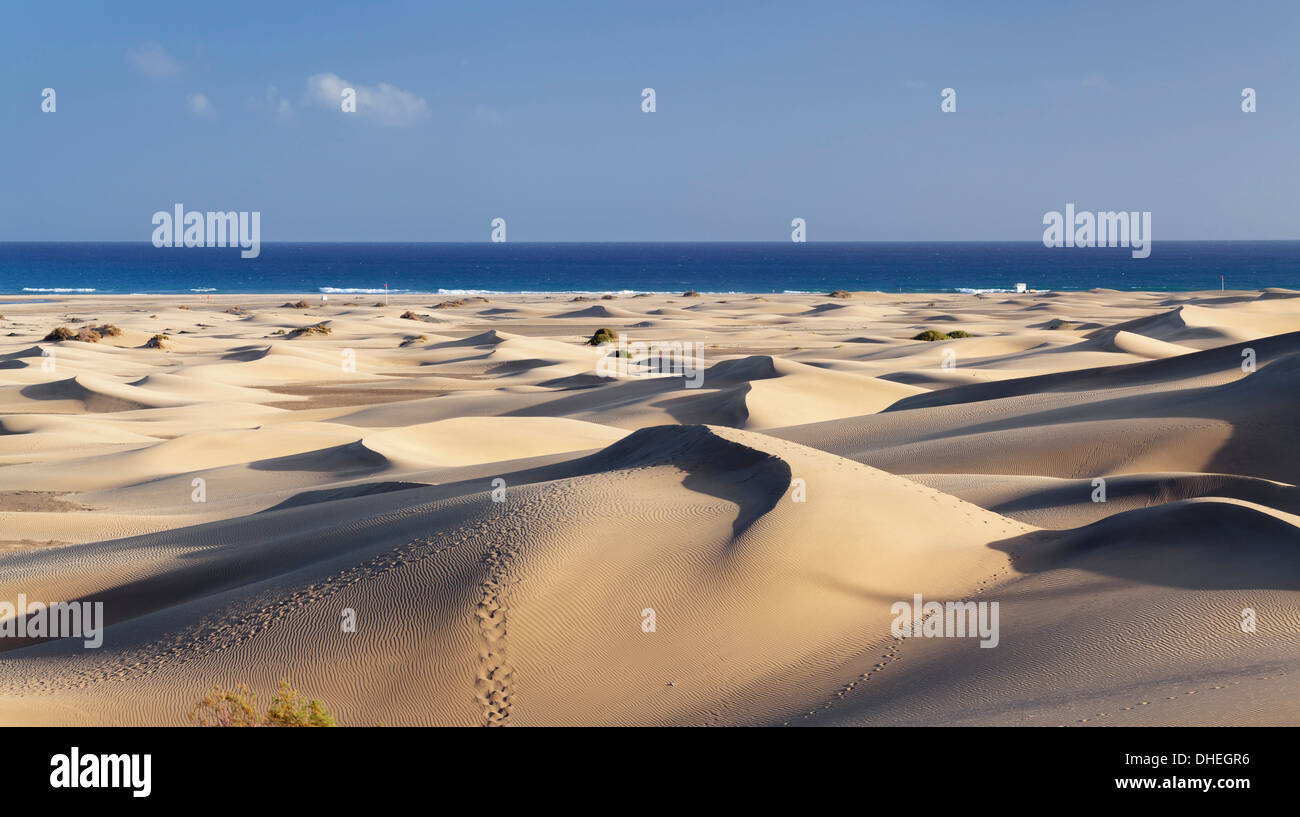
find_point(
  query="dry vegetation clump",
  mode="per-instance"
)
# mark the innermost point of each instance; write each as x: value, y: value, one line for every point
x: 412, y: 316
x: 313, y: 329
x: 690, y: 293
x: 296, y: 305
x: 459, y: 302
x: 87, y: 334
x: 238, y: 707
x: 60, y: 333
x: 935, y: 334
x: 840, y: 293
x: 580, y: 299
x: 413, y: 339
x: 157, y: 342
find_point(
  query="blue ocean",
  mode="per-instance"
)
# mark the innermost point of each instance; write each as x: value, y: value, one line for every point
x: 481, y: 268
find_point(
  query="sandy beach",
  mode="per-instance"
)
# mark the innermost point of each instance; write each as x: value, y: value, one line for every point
x: 522, y: 540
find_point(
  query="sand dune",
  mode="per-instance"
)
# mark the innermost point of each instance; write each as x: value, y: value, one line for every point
x: 526, y: 539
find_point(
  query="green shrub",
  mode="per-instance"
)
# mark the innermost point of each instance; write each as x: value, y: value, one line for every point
x: 238, y: 707
x: 601, y: 336
x: 287, y: 709
x: 931, y: 334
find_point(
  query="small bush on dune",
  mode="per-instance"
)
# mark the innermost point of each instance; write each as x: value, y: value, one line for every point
x: 108, y: 330
x: 960, y: 333
x: 297, y: 305
x: 287, y: 709
x: 60, y: 333
x: 690, y: 293
x: 314, y: 329
x: 89, y: 335
x: 238, y: 707
x: 601, y: 336
x: 931, y: 334
x: 839, y: 293
x: 413, y: 339
x: 157, y: 342
x: 227, y: 707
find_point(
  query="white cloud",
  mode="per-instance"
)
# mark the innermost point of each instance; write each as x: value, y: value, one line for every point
x: 152, y: 60
x: 383, y: 104
x: 199, y: 106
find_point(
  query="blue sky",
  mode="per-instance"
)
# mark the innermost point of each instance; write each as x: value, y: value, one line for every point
x: 765, y: 112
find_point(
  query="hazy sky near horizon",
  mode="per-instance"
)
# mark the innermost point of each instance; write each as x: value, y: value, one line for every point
x: 765, y: 112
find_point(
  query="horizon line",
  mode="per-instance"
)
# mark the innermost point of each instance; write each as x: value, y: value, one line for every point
x: 673, y: 241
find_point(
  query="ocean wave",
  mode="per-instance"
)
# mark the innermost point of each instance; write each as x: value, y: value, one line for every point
x: 996, y: 291
x: 359, y: 290
x: 203, y: 289
x: 59, y: 289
